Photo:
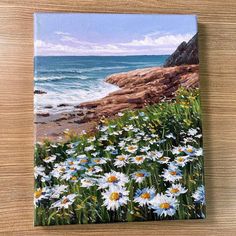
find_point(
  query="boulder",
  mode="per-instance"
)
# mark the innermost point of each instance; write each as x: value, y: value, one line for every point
x: 141, y: 87
x: 185, y: 54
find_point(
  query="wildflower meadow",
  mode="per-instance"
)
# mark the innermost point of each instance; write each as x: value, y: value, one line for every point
x: 142, y: 165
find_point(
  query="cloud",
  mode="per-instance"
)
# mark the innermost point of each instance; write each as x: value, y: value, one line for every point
x: 151, y: 44
x: 61, y: 33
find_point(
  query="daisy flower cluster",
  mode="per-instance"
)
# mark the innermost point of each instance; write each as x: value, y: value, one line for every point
x: 143, y: 165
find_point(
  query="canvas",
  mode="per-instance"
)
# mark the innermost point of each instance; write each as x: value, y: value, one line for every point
x: 118, y: 129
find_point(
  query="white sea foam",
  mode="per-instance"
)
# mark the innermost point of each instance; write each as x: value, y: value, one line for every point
x: 71, y: 97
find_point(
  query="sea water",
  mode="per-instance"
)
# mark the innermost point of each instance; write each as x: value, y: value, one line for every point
x: 71, y: 80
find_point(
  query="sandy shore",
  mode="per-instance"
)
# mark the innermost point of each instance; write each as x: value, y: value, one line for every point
x: 52, y: 126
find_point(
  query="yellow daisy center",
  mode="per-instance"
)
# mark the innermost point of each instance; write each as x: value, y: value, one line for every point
x: 64, y: 201
x: 121, y: 158
x: 145, y: 195
x: 114, y: 196
x: 189, y: 150
x: 138, y: 158
x: 62, y: 169
x: 112, y: 179
x: 131, y: 148
x: 163, y: 159
x: 139, y: 174
x: 84, y: 161
x: 71, y: 163
x: 165, y: 205
x: 97, y: 160
x: 180, y: 159
x: 173, y: 172
x: 46, y: 158
x: 38, y: 193
x: 174, y: 190
x: 74, y: 178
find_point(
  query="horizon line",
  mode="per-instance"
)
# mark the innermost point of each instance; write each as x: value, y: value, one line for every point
x: 99, y: 55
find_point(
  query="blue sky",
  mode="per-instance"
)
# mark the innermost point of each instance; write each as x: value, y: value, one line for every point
x: 111, y: 34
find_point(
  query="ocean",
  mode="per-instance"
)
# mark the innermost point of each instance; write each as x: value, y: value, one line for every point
x: 71, y: 80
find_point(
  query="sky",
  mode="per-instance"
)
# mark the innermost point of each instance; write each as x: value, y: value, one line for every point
x: 86, y: 34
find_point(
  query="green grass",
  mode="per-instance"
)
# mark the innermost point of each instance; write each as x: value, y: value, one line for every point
x: 144, y: 128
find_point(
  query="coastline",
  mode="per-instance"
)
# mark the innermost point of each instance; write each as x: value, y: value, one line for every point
x: 138, y: 88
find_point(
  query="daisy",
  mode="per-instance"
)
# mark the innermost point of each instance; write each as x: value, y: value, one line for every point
x: 50, y: 159
x: 68, y: 175
x: 91, y: 139
x: 120, y: 114
x: 172, y: 174
x: 131, y: 148
x: 103, y: 138
x: 103, y: 128
x: 164, y: 205
x: 83, y: 161
x: 95, y: 154
x: 181, y: 160
x: 54, y: 145
x: 190, y: 150
x: 110, y: 148
x: 57, y: 190
x: 141, y: 113
x: 163, y: 160
x: 59, y: 169
x: 128, y: 127
x: 140, y: 175
x: 199, y: 152
x: 199, y: 195
x: 121, y: 160
x: 70, y: 151
x: 88, y: 182
x: 177, y: 150
x: 175, y: 190
x: 170, y: 135
x: 40, y: 194
x: 89, y: 148
x: 192, y: 132
x: 112, y: 179
x: 153, y: 155
x: 121, y: 144
x: 74, y: 179
x: 145, y: 149
x: 39, y: 171
x: 133, y: 118
x: 46, y: 178
x: 93, y: 170
x: 98, y: 161
x: 138, y: 159
x: 64, y: 202
x: 115, y: 197
x: 144, y: 196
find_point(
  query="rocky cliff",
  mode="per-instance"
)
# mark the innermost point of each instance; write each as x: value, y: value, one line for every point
x: 185, y: 54
x: 142, y: 87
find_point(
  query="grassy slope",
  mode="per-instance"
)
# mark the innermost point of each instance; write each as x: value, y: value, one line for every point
x: 175, y: 117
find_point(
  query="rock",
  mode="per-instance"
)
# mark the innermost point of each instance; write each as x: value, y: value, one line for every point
x: 48, y: 107
x: 44, y: 114
x: 185, y: 54
x: 139, y: 88
x: 37, y: 91
x: 63, y: 105
x: 60, y: 119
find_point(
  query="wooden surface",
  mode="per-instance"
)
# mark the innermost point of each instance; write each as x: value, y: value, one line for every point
x: 217, y: 29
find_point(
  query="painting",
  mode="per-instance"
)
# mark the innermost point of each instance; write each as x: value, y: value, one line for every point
x: 118, y: 128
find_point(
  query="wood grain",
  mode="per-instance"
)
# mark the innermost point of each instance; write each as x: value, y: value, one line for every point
x: 217, y: 33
